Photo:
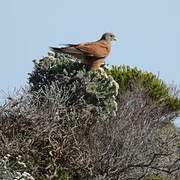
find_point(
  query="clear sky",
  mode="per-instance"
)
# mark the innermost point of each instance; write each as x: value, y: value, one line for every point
x: 148, y: 33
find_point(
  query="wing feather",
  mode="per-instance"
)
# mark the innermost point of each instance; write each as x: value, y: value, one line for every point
x: 69, y: 50
x: 96, y: 49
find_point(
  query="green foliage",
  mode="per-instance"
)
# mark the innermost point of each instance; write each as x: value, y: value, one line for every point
x: 96, y: 87
x: 62, y: 130
x: 155, y: 88
x: 154, y: 177
x: 48, y: 70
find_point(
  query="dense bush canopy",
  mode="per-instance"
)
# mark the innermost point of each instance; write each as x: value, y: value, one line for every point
x: 127, y: 77
x: 72, y: 123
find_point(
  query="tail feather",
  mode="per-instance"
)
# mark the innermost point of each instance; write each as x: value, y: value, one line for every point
x: 68, y: 50
x: 68, y: 45
x: 55, y: 49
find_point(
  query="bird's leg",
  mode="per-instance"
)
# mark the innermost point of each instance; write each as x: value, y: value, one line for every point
x: 96, y: 65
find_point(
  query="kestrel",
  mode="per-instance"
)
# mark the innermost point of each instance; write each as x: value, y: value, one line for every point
x: 91, y: 53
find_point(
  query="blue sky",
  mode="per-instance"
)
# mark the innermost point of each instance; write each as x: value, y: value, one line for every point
x: 148, y: 33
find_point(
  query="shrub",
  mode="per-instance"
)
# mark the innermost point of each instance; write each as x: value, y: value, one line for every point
x: 96, y: 87
x: 155, y: 88
x: 64, y: 127
x: 13, y: 169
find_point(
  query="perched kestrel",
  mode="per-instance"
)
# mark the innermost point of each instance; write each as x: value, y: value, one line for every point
x: 91, y: 53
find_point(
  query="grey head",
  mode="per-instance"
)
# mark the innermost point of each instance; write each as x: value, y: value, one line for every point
x: 108, y: 37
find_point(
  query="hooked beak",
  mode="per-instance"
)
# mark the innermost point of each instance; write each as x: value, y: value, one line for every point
x: 114, y: 39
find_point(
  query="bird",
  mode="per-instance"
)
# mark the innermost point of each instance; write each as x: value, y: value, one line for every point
x: 90, y: 53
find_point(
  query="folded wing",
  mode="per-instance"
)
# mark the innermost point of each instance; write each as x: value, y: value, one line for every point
x: 98, y: 49
x: 68, y: 50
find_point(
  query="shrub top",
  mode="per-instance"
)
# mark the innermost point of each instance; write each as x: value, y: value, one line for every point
x: 157, y: 90
x: 94, y: 87
x: 62, y: 67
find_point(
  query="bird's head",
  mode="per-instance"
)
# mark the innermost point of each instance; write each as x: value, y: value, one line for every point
x: 108, y: 37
